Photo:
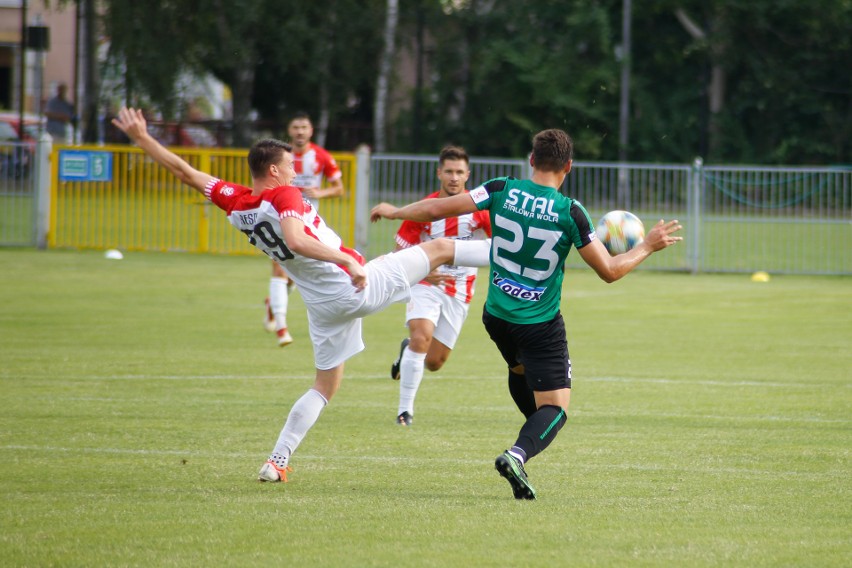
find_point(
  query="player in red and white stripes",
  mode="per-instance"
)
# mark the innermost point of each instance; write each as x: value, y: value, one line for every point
x: 439, y: 304
x: 311, y: 162
x: 336, y: 285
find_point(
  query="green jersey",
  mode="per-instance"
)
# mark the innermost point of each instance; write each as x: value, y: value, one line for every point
x: 533, y: 228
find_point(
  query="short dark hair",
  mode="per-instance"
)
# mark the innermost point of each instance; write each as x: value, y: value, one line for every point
x: 552, y: 150
x: 299, y: 115
x: 265, y: 153
x: 453, y: 153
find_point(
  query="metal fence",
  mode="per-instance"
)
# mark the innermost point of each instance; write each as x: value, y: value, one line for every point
x: 138, y: 205
x: 650, y: 191
x: 736, y: 219
x: 18, y: 194
x: 781, y: 220
x: 401, y: 179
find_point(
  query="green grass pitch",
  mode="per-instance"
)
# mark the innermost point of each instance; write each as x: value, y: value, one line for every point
x: 710, y: 424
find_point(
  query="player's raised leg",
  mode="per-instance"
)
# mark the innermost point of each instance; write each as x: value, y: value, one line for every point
x: 461, y: 253
x: 420, y: 260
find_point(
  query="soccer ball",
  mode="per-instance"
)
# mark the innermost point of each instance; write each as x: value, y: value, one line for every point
x: 620, y: 231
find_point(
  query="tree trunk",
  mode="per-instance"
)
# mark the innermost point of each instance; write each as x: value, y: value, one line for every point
x: 624, y: 103
x: 385, y: 68
x: 325, y: 54
x: 321, y: 127
x: 92, y: 82
x: 243, y: 88
x: 417, y: 118
x: 716, y: 101
x: 458, y: 104
x: 716, y: 88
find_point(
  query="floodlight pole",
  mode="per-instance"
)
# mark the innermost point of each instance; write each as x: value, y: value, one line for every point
x: 22, y: 86
x: 624, y: 108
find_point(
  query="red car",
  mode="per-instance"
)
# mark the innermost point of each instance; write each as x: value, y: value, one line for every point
x: 16, y: 155
x: 182, y: 134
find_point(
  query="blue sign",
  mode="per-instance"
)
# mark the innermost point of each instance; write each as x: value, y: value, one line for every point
x: 83, y: 165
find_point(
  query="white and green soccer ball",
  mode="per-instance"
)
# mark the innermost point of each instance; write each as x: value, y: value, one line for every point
x: 620, y: 231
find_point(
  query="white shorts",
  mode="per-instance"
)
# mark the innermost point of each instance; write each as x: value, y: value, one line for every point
x: 445, y: 312
x: 335, y: 326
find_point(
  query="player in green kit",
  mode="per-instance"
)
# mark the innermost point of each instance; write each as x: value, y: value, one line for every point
x: 534, y: 227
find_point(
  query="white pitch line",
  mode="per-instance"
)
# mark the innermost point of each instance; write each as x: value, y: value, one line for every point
x: 364, y: 376
x: 575, y: 411
x: 424, y: 460
x: 801, y: 384
x: 207, y: 454
x: 732, y: 418
x: 127, y: 451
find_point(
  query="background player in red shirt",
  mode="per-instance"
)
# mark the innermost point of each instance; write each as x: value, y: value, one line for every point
x: 337, y: 287
x: 312, y: 163
x: 439, y: 304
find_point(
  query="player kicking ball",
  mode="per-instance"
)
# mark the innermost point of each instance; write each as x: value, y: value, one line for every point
x: 337, y: 286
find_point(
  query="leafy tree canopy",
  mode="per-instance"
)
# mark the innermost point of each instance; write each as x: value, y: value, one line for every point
x: 734, y: 81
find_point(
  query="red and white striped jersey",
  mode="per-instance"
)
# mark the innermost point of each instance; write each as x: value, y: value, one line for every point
x: 469, y: 226
x: 259, y: 216
x: 312, y: 165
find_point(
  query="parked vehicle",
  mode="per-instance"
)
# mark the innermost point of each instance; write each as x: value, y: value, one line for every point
x: 16, y: 153
x: 31, y: 124
x: 182, y: 134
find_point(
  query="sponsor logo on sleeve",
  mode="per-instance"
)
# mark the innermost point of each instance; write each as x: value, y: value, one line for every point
x: 227, y: 191
x: 479, y: 194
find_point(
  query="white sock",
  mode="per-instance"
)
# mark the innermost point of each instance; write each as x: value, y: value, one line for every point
x: 410, y: 374
x: 302, y: 417
x: 415, y: 263
x: 472, y: 253
x: 278, y: 301
x: 518, y: 456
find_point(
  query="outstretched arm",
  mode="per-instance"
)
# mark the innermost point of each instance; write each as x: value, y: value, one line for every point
x: 426, y: 209
x: 611, y: 268
x: 132, y: 122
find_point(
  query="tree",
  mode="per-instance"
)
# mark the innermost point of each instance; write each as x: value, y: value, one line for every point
x: 383, y: 78
x: 149, y: 41
x: 277, y: 56
x: 716, y: 46
x: 793, y: 99
x: 504, y: 70
x: 742, y: 81
x: 733, y: 80
x: 322, y: 59
x: 231, y: 34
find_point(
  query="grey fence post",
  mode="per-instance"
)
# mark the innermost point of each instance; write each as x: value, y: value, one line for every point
x: 694, y: 232
x: 623, y: 193
x: 362, y: 198
x: 41, y: 185
x: 526, y: 168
